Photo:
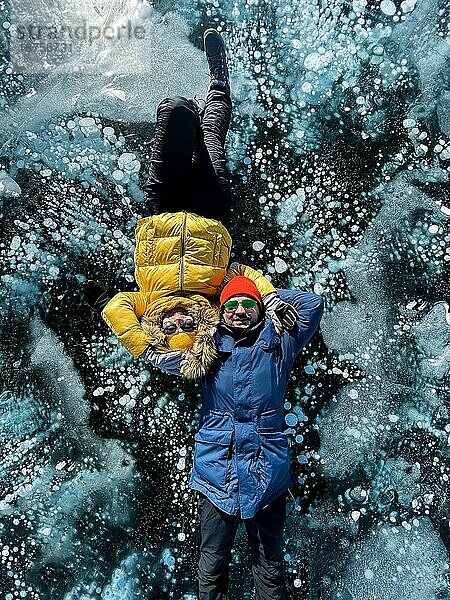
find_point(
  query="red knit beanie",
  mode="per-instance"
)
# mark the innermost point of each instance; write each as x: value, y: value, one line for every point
x: 240, y: 286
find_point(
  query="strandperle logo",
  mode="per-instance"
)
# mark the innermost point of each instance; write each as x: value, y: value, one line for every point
x: 38, y: 32
x: 37, y: 46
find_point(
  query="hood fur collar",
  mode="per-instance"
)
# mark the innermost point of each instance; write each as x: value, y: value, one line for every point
x: 199, y: 359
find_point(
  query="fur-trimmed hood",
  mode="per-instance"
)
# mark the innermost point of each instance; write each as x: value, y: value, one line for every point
x: 199, y: 359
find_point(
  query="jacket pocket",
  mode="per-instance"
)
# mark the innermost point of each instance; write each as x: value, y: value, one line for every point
x: 275, y: 462
x: 268, y: 421
x: 212, y: 455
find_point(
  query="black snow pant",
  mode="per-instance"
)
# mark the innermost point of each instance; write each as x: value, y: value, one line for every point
x: 188, y: 168
x: 265, y: 536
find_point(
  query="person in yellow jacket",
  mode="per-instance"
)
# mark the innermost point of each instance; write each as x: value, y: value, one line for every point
x: 183, y: 248
x: 180, y: 266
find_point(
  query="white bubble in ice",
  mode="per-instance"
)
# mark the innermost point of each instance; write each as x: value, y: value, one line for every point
x: 118, y: 175
x: 125, y: 158
x: 409, y: 123
x: 87, y: 122
x: 280, y: 265
x: 353, y: 394
x: 15, y: 243
x: 318, y: 288
x: 316, y: 61
x: 368, y: 574
x: 388, y: 7
x: 433, y: 228
x: 408, y: 5
x: 257, y: 246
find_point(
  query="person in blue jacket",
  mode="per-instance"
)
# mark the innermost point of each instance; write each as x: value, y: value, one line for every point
x: 242, y: 466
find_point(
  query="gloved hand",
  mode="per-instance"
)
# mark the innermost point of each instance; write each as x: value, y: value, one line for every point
x: 283, y: 314
x: 96, y: 295
x: 169, y: 362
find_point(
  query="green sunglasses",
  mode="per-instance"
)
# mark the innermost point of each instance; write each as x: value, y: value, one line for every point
x: 246, y: 303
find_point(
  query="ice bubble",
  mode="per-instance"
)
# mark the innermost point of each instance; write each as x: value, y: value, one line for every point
x: 280, y: 265
x: 368, y: 574
x: 316, y: 61
x: 318, y: 288
x: 353, y: 394
x: 355, y: 515
x: 408, y: 5
x: 167, y: 557
x: 388, y: 7
x: 291, y: 419
x: 408, y: 123
x: 118, y: 175
x: 87, y: 122
x: 125, y: 158
x: 393, y: 418
x: 433, y: 228
x: 257, y: 246
x: 15, y: 243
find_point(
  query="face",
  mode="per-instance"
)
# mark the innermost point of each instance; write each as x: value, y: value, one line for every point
x: 177, y: 320
x: 241, y: 317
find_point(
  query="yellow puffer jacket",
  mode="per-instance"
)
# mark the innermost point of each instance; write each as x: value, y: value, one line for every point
x: 175, y: 253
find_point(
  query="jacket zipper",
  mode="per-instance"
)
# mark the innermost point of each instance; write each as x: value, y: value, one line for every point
x: 183, y: 240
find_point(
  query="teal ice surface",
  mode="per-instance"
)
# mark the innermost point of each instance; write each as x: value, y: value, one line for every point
x: 339, y: 150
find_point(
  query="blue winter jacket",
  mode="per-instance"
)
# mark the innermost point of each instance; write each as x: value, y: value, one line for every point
x: 241, y: 459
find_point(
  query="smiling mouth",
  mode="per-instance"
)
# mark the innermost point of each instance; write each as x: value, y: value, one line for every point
x: 243, y: 321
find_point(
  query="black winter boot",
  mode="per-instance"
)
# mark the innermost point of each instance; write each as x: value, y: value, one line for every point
x: 217, y: 60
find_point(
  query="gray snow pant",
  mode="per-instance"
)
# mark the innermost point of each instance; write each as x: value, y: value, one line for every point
x: 265, y: 536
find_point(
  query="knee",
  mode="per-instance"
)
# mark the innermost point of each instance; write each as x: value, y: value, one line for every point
x: 176, y: 103
x: 213, y: 563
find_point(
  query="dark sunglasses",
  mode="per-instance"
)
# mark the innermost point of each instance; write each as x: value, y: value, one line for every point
x: 233, y: 304
x: 170, y: 328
